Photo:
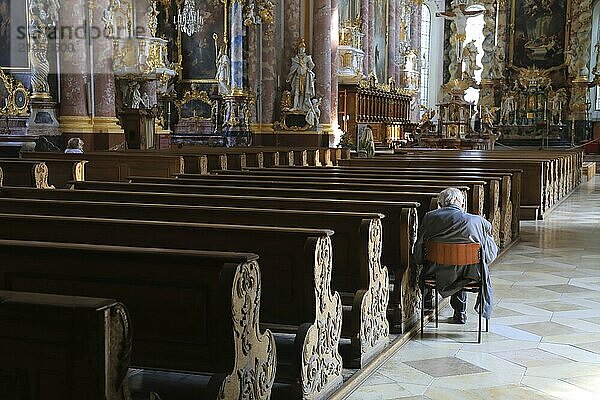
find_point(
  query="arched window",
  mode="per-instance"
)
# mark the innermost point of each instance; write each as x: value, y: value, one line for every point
x: 425, y: 53
x: 475, y: 32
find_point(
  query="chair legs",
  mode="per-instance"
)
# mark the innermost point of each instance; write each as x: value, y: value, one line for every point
x: 422, y: 309
x: 480, y: 317
x: 435, y: 294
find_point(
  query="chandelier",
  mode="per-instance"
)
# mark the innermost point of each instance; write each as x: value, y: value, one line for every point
x: 189, y: 20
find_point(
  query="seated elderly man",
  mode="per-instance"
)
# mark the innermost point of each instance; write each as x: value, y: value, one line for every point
x: 451, y: 224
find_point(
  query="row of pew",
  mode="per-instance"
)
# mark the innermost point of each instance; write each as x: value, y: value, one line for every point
x: 262, y: 279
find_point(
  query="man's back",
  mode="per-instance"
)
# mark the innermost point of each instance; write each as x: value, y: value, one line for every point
x: 451, y: 224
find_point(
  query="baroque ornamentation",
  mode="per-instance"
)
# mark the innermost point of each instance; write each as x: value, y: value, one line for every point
x: 42, y: 15
x: 40, y: 173
x: 17, y: 96
x: 255, y: 353
x: 321, y: 363
x: 374, y: 326
x: 581, y: 26
x: 410, y: 291
x: 120, y: 353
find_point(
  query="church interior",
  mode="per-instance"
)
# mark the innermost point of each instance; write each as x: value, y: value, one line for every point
x: 233, y: 199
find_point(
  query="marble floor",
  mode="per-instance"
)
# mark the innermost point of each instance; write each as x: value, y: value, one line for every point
x: 544, y: 340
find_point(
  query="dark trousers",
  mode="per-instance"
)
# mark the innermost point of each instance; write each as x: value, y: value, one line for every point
x: 458, y: 301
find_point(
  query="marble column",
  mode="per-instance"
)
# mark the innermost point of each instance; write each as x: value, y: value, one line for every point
x: 105, y: 112
x: 401, y: 32
x: 291, y: 32
x: 74, y: 114
x: 371, y: 34
x: 322, y: 57
x: 392, y: 49
x: 335, y: 62
x: 269, y: 79
x: 236, y: 47
x: 365, y: 16
x: 415, y: 43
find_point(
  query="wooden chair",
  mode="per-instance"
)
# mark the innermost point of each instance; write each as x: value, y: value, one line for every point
x: 452, y: 255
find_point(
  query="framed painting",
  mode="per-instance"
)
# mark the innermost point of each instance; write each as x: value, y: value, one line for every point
x: 380, y: 39
x: 14, y: 40
x: 540, y: 33
x: 199, y: 53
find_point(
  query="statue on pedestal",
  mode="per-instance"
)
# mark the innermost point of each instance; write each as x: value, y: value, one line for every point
x: 596, y: 69
x: 223, y: 75
x: 497, y: 68
x: 302, y: 78
x: 469, y: 56
x: 508, y: 106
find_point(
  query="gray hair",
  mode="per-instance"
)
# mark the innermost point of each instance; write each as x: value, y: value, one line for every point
x: 451, y: 196
x: 75, y: 143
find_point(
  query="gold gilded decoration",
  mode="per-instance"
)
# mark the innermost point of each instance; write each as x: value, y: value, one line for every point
x: 142, y: 57
x: 17, y: 98
x: 534, y: 76
x: 255, y: 353
x: 40, y: 175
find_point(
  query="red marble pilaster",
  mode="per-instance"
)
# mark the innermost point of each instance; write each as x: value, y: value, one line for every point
x: 73, y: 60
x: 104, y: 78
x: 392, y: 49
x: 322, y: 56
x: 371, y: 34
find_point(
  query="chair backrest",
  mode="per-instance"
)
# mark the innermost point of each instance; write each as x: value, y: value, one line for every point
x: 452, y: 253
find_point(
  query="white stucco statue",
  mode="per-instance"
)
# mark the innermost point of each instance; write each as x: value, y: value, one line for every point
x: 596, y: 69
x: 302, y: 78
x: 223, y: 75
x: 470, y: 60
x: 314, y: 113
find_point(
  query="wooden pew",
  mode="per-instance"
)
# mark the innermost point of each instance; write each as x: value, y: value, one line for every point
x: 537, y: 175
x: 357, y: 272
x: 116, y: 166
x: 427, y: 198
x: 190, y: 310
x: 62, y: 347
x: 62, y: 172
x: 399, y: 227
x: 509, y: 182
x: 296, y: 270
x: 24, y: 173
x: 476, y: 188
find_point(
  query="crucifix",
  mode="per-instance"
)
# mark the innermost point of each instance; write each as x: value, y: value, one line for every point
x: 459, y: 16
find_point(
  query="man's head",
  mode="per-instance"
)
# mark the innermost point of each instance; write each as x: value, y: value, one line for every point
x: 451, y: 196
x: 75, y: 143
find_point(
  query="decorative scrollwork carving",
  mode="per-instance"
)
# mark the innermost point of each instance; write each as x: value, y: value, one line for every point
x: 40, y: 176
x: 321, y: 363
x: 119, y: 353
x: 411, y: 293
x: 374, y: 326
x: 1, y: 178
x: 255, y: 353
x: 79, y: 171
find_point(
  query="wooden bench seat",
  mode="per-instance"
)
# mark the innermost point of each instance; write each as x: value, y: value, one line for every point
x: 61, y: 347
x: 589, y: 169
x: 116, y: 166
x: 62, y: 172
x: 24, y: 173
x: 508, y: 182
x: 357, y: 271
x: 399, y: 226
x: 190, y: 310
x: 296, y: 269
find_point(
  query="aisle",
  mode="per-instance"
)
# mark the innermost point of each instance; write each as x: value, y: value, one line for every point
x: 545, y: 335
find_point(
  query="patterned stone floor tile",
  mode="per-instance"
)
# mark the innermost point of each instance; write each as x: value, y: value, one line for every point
x: 531, y: 357
x: 557, y: 306
x: 445, y: 366
x: 560, y: 389
x: 546, y: 328
x: 387, y: 391
x: 590, y: 382
x: 571, y: 352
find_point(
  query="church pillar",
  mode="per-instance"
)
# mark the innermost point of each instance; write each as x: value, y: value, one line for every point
x: 401, y: 33
x: 143, y: 14
x: 392, y: 50
x: 322, y: 58
x: 371, y: 35
x: 365, y: 16
x: 335, y: 62
x: 87, y: 86
x: 105, y: 113
x: 415, y: 43
x: 269, y: 77
x: 74, y: 118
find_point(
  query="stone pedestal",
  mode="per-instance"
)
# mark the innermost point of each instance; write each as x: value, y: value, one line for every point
x: 43, y: 120
x: 236, y: 126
